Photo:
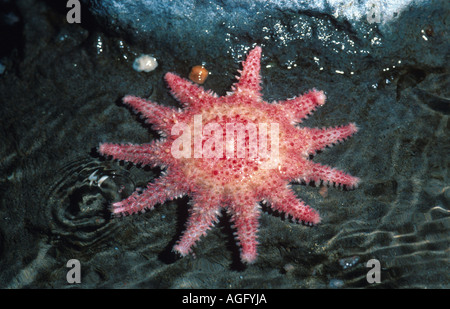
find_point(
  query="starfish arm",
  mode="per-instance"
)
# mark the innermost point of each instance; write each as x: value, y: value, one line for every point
x: 188, y: 93
x: 284, y: 199
x: 245, y: 215
x: 250, y: 79
x: 164, y: 188
x: 329, y: 175
x: 147, y: 154
x: 162, y: 117
x: 203, y: 215
x: 300, y: 107
x: 322, y: 138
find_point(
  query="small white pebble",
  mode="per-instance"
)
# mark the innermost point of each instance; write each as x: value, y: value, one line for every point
x: 101, y: 180
x: 145, y: 63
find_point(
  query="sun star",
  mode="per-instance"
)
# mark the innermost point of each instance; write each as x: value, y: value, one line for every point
x: 231, y: 152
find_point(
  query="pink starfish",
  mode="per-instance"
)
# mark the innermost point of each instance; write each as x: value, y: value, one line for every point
x: 203, y: 159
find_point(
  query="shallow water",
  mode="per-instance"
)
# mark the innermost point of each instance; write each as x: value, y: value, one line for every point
x: 61, y: 93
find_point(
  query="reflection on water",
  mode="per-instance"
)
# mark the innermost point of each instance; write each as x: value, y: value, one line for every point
x: 79, y: 201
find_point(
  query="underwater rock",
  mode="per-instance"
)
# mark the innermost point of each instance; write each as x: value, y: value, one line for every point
x: 182, y: 26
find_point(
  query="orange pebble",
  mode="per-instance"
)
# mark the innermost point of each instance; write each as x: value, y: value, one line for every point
x: 198, y: 74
